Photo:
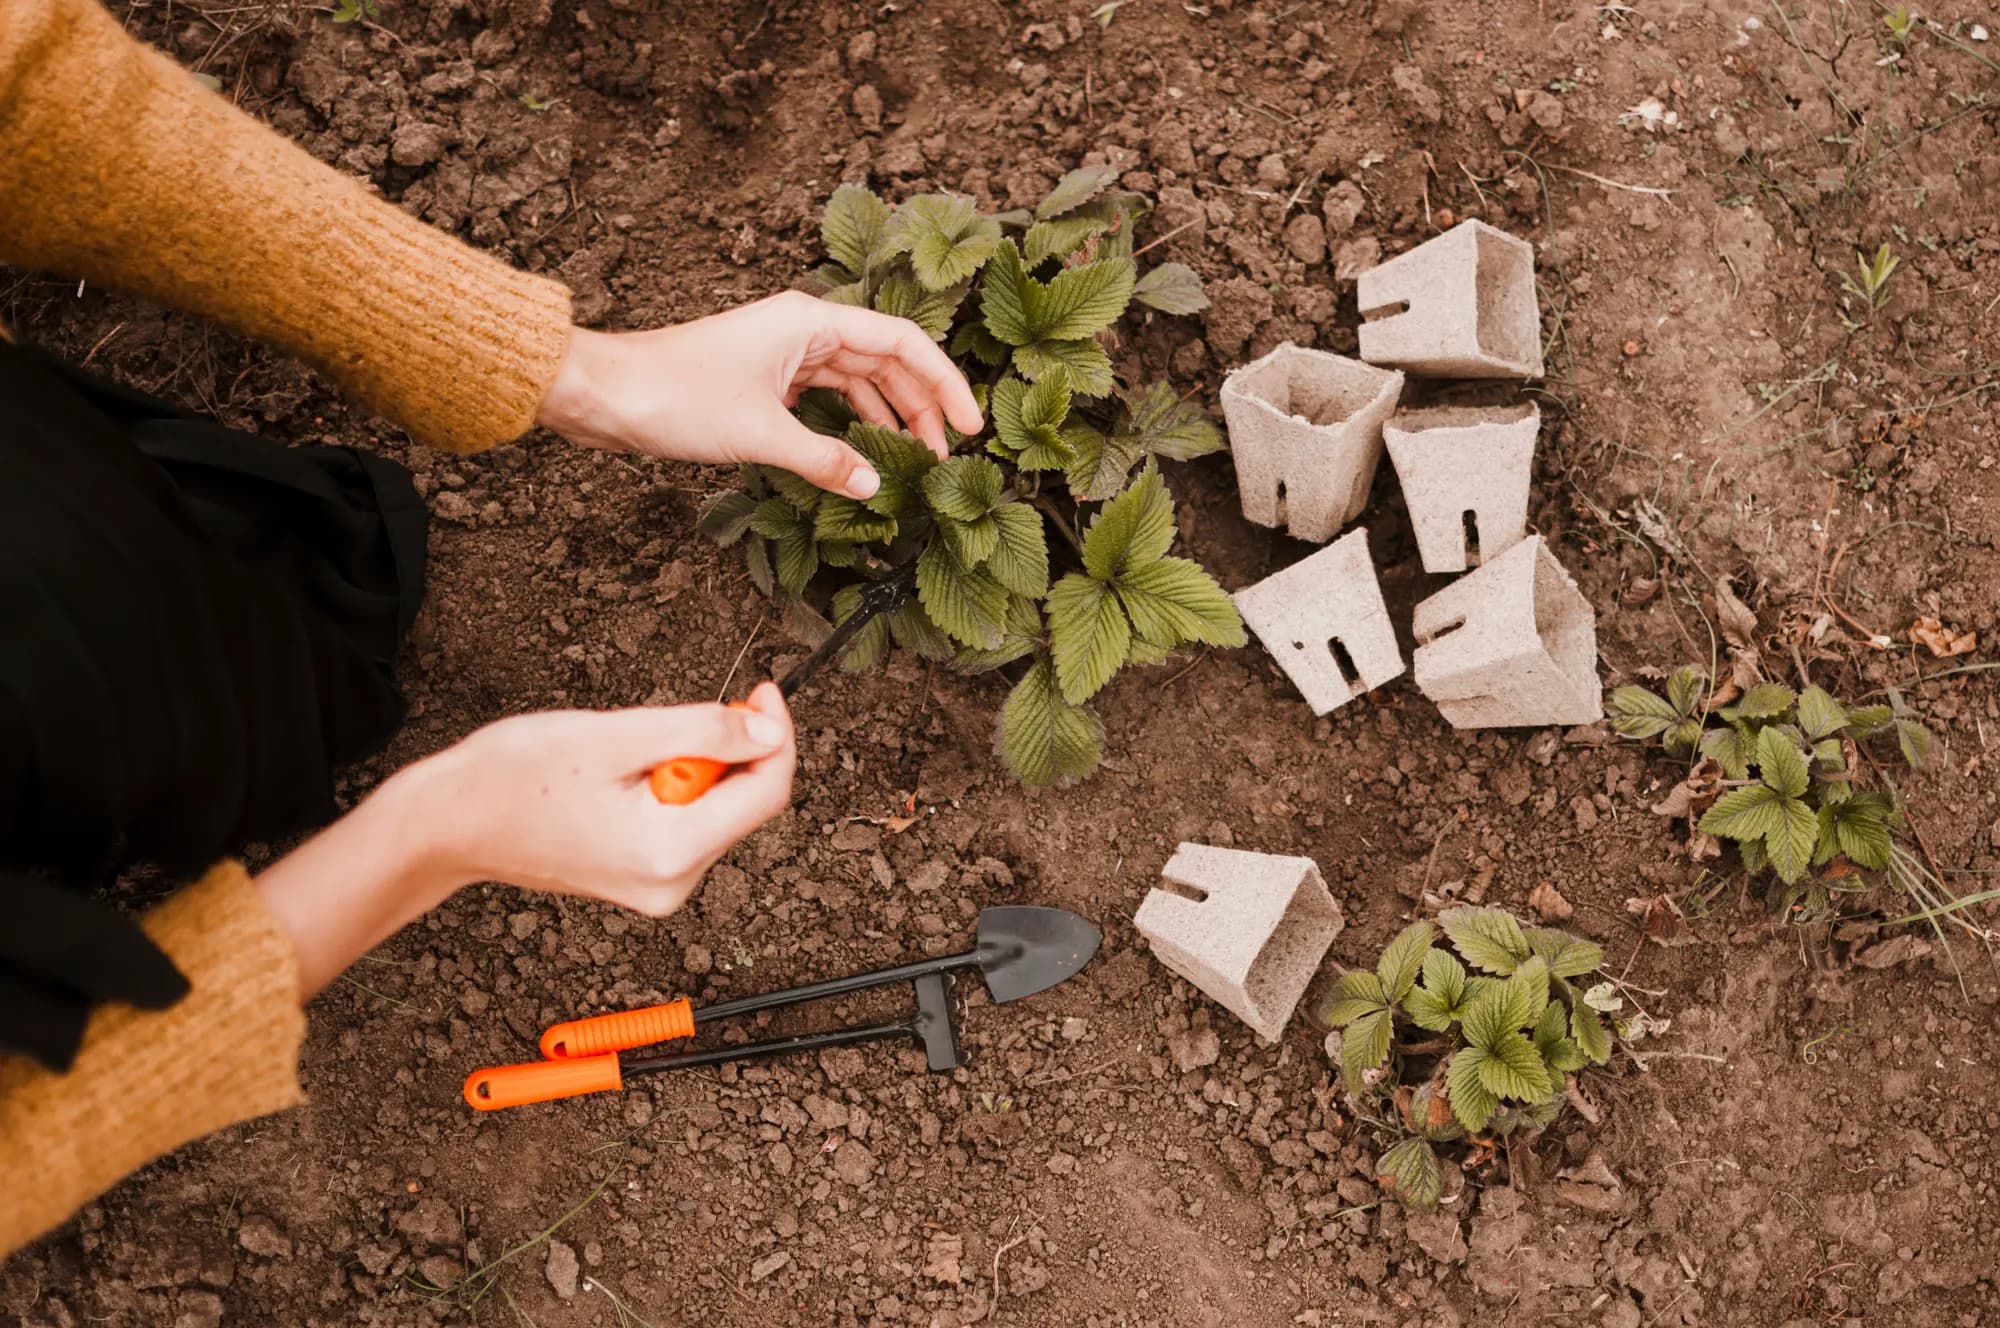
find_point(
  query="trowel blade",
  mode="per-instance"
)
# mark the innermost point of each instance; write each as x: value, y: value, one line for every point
x: 1024, y: 948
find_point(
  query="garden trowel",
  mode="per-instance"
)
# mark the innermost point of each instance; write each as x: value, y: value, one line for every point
x: 1022, y: 949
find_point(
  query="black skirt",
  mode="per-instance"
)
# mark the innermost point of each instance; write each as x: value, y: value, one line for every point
x: 196, y: 628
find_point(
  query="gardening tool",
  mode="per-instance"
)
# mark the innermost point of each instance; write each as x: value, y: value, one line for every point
x: 1022, y: 949
x: 680, y: 781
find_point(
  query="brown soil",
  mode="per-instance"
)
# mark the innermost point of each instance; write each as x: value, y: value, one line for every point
x: 1811, y: 1139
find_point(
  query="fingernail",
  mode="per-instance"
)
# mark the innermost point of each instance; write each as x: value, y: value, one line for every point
x: 863, y: 483
x: 763, y: 730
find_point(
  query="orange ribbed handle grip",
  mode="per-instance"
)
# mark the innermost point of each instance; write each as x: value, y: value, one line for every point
x: 542, y: 1081
x: 680, y: 781
x: 619, y: 1032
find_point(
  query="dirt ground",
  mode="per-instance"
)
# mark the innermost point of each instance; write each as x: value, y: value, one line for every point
x: 1809, y: 1141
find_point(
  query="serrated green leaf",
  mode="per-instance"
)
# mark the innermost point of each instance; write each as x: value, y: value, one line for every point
x: 1728, y: 750
x: 964, y: 488
x: 1044, y: 738
x: 1412, y: 1173
x: 1916, y: 743
x: 1862, y: 835
x: 903, y: 296
x: 1819, y: 713
x: 1781, y: 765
x: 1135, y: 528
x: 757, y: 558
x: 1686, y: 688
x: 1089, y: 633
x: 1172, y: 288
x: 968, y: 604
x: 795, y: 557
x: 1586, y: 1027
x: 1520, y: 999
x: 1789, y: 844
x: 1553, y: 1025
x: 1159, y: 423
x: 1403, y: 959
x: 839, y: 553
x: 1172, y: 601
x: 944, y: 235
x: 1020, y: 562
x: 854, y: 295
x: 1082, y: 364
x: 1075, y: 189
x: 1427, y: 1010
x: 1060, y: 237
x: 1567, y: 956
x: 1358, y: 992
x: 841, y: 518
x: 1489, y: 938
x: 1009, y: 299
x: 854, y: 229
x: 901, y: 460
x: 1867, y: 721
x: 1445, y: 977
x: 1755, y: 859
x: 776, y: 518
x: 1025, y: 416
x: 1082, y: 301
x: 973, y: 339
x: 1745, y: 813
x: 1021, y: 637
x: 913, y: 630
x: 971, y: 542
x: 726, y: 517
x: 1682, y: 737
x: 797, y: 490
x: 1512, y: 1068
x: 1765, y: 700
x: 1638, y: 713
x: 825, y: 411
x: 1049, y: 449
x: 868, y: 645
x: 1471, y: 1101
x: 1099, y: 466
x: 1364, y: 1046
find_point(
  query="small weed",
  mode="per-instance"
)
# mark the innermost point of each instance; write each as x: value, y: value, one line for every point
x: 994, y: 1105
x: 1461, y: 1055
x: 1862, y: 477
x: 357, y: 11
x: 536, y: 104
x: 1869, y: 282
x: 1107, y: 11
x: 1902, y: 25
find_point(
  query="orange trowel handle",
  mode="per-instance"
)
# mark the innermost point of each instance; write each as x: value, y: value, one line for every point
x: 543, y: 1081
x: 680, y: 781
x: 619, y: 1032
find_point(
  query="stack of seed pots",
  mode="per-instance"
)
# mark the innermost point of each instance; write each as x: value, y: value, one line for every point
x: 1511, y: 642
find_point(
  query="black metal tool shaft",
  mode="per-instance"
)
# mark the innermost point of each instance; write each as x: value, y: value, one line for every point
x: 877, y: 598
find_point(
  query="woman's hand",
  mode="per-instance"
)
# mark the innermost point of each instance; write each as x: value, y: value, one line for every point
x: 555, y: 801
x: 718, y: 389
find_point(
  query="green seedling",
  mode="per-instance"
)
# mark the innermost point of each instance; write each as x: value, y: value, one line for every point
x: 1902, y: 25
x: 1476, y: 1045
x: 1785, y: 783
x: 356, y: 11
x: 1869, y: 283
x: 1021, y: 300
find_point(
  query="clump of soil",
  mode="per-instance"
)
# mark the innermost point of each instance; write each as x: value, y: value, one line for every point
x: 1808, y: 1140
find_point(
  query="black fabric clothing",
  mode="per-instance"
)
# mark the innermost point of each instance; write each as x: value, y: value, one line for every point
x: 196, y: 628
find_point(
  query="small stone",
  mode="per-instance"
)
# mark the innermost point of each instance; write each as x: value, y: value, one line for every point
x: 1062, y: 1164
x: 1305, y: 238
x: 1074, y: 1029
x: 261, y: 1236
x: 1272, y: 172
x: 1549, y: 904
x: 199, y: 1309
x: 417, y: 144
x: 853, y: 1163
x: 781, y: 1158
x: 867, y: 105
x: 1343, y: 207
x: 698, y: 959
x: 1194, y: 1048
x: 769, y: 1264
x: 1356, y: 256
x: 562, y: 1269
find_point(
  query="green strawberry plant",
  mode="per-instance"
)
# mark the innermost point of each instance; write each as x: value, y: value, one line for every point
x: 1022, y: 300
x: 1474, y: 1045
x: 1784, y: 778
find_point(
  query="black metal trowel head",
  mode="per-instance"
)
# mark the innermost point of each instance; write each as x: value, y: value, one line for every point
x: 934, y: 1026
x: 1024, y: 948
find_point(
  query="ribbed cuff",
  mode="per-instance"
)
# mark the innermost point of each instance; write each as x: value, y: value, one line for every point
x: 145, y: 1083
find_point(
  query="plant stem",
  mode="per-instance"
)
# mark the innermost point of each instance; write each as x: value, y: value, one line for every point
x: 1048, y: 510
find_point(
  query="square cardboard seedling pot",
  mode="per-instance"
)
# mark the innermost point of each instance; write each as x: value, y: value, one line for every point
x: 1511, y: 645
x: 1461, y: 305
x: 1305, y: 430
x: 1465, y: 472
x: 1248, y: 929
x: 1324, y: 620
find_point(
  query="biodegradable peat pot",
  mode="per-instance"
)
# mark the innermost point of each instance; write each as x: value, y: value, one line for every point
x: 1513, y: 644
x: 1461, y: 305
x: 1248, y: 929
x: 1465, y: 472
x: 1325, y: 622
x: 1305, y: 430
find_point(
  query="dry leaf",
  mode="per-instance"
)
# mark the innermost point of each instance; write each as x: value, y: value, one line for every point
x: 1660, y: 918
x: 1692, y: 795
x: 1896, y: 950
x: 942, y: 1255
x: 1739, y: 624
x: 1548, y: 902
x: 1941, y: 640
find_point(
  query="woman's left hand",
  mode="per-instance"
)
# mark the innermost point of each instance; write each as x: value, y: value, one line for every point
x: 718, y: 389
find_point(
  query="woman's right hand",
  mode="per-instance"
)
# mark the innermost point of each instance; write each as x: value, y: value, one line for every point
x: 559, y: 801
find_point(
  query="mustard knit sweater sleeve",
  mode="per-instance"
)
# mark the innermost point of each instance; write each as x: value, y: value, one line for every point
x: 116, y: 166
x: 144, y: 1082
